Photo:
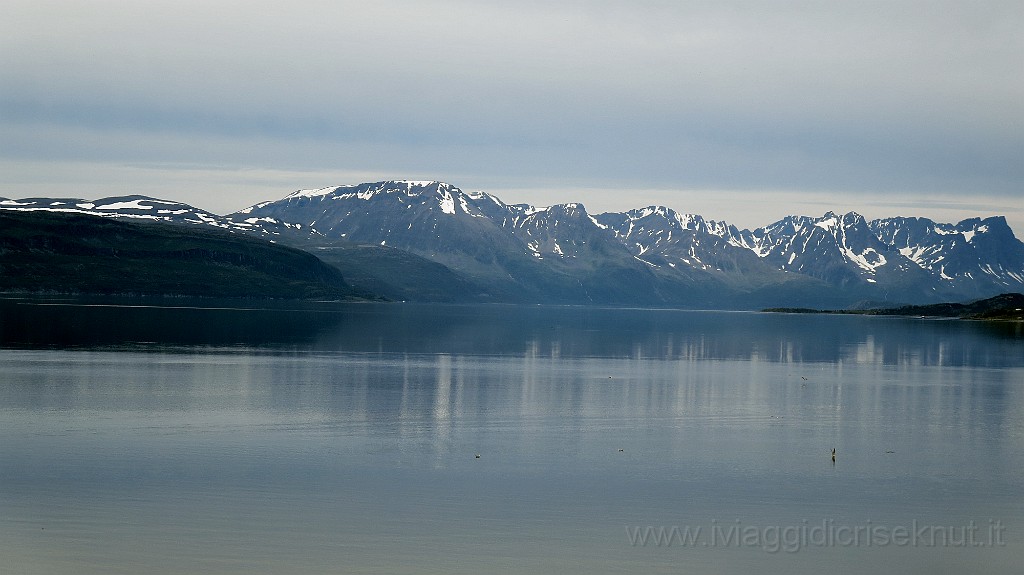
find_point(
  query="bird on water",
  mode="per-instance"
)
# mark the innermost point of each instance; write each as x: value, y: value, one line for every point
x: 833, y: 455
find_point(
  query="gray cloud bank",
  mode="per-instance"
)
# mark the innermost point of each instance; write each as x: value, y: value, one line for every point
x: 835, y: 101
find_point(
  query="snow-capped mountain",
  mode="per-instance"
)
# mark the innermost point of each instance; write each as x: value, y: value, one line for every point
x: 515, y: 252
x: 130, y: 207
x: 904, y: 259
x: 662, y: 237
x: 647, y: 256
x: 840, y: 250
x: 426, y: 217
x: 976, y: 255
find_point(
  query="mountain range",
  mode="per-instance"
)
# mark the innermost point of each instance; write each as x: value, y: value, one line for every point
x: 430, y: 241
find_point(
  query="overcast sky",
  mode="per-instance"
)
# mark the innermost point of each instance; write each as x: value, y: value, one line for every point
x: 742, y: 111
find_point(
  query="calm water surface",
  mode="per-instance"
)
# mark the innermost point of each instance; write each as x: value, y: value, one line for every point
x: 344, y: 439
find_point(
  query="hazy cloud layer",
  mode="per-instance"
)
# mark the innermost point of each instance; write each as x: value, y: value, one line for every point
x: 831, y: 102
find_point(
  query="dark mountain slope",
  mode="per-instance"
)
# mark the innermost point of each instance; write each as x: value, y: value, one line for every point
x: 72, y: 253
x: 395, y: 274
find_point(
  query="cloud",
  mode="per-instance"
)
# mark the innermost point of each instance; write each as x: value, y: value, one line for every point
x: 821, y: 98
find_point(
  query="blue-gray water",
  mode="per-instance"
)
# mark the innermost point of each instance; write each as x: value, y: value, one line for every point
x: 344, y: 439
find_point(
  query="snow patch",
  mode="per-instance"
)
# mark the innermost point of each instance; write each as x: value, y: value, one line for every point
x: 447, y: 203
x: 308, y: 193
x: 828, y: 224
x: 868, y: 260
x: 132, y: 205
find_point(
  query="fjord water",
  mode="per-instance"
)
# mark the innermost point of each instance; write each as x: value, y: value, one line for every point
x: 344, y: 439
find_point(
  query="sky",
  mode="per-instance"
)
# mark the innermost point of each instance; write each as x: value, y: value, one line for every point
x: 738, y: 111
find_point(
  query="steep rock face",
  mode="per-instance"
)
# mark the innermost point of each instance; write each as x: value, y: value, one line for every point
x: 564, y: 231
x: 687, y: 249
x: 841, y: 250
x: 588, y: 258
x: 895, y: 259
x: 662, y: 237
x: 973, y: 257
